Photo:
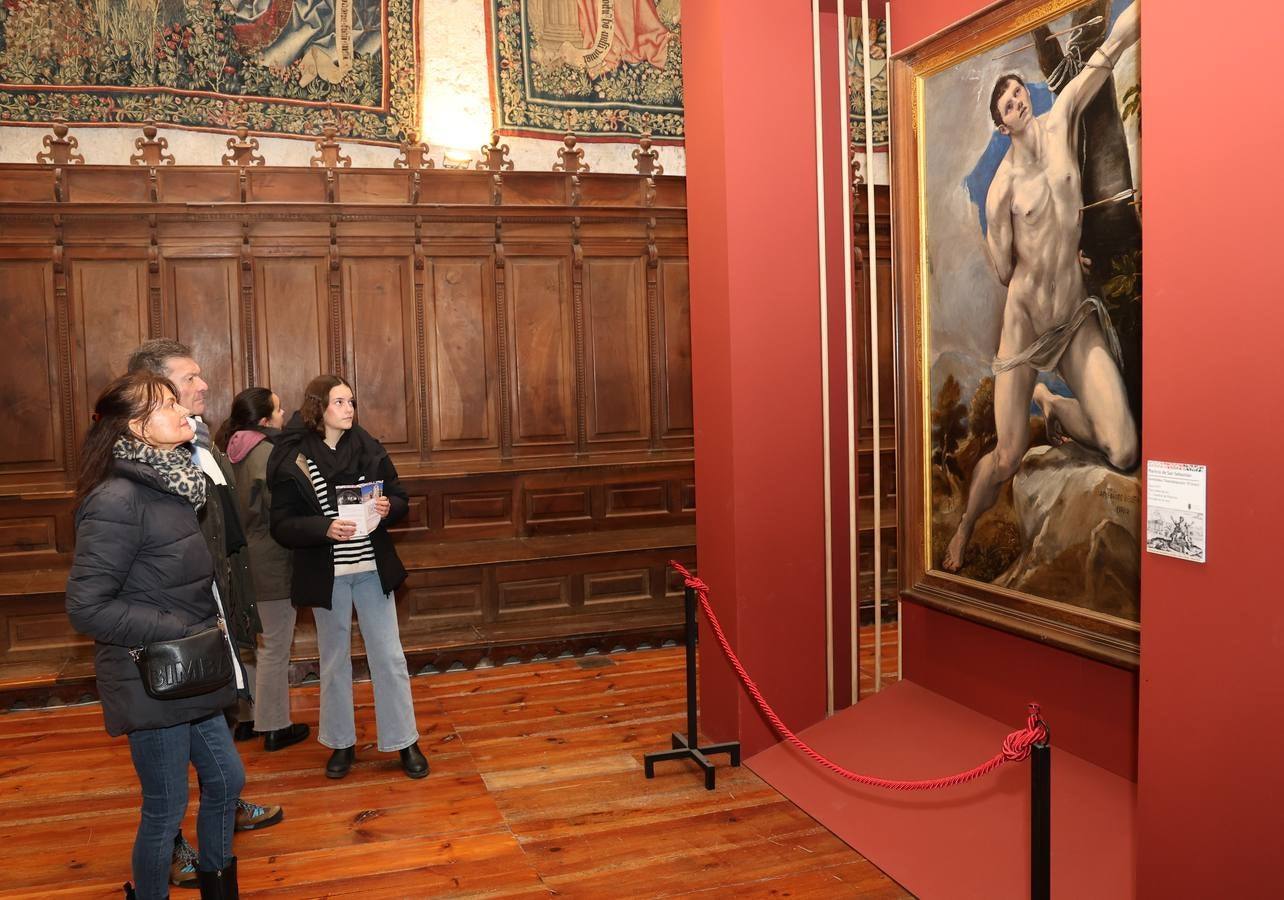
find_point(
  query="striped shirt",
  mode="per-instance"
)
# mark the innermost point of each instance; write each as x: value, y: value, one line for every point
x: 350, y: 557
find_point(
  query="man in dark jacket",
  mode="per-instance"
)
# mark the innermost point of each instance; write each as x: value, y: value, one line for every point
x: 221, y: 528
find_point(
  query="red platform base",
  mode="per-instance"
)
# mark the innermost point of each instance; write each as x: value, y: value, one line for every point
x: 966, y: 841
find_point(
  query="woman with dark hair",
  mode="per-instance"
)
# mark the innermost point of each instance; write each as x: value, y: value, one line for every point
x: 341, y: 568
x: 142, y: 574
x: 247, y: 438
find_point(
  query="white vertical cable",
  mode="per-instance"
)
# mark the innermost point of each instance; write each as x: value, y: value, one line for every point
x: 875, y: 412
x: 853, y: 536
x: 887, y: 32
x: 824, y: 361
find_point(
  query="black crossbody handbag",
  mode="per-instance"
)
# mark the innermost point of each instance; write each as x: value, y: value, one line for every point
x: 185, y: 667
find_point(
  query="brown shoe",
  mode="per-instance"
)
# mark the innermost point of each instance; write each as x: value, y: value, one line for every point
x: 182, y: 868
x: 251, y: 816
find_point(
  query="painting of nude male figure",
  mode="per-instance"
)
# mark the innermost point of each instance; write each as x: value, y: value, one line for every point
x: 1031, y: 305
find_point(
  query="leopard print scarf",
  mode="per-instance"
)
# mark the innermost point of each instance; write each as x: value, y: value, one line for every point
x: 181, y: 476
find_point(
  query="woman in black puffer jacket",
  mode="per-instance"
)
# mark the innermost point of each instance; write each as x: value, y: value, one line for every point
x: 142, y: 573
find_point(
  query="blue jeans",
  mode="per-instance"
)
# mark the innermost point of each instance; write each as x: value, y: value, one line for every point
x: 161, y: 757
x: 377, y: 614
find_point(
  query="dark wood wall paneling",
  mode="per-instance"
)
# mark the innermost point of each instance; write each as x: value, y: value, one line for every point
x: 520, y: 344
x: 868, y: 274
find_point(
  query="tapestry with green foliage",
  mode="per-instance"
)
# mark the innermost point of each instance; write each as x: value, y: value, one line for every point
x: 877, y: 82
x: 282, y: 66
x: 598, y: 67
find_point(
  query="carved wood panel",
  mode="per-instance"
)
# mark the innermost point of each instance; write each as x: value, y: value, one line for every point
x: 676, y: 415
x: 292, y: 317
x: 202, y: 299
x: 35, y: 531
x: 434, y: 599
x: 110, y: 315
x: 882, y: 272
x: 616, y: 378
x: 462, y: 351
x: 27, y: 535
x: 477, y: 511
x: 29, y: 369
x: 41, y: 628
x: 617, y: 590
x: 379, y: 293
x: 542, y: 357
x: 522, y: 592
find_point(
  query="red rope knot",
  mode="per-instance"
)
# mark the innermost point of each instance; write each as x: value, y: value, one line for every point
x: 691, y: 581
x: 1016, y: 746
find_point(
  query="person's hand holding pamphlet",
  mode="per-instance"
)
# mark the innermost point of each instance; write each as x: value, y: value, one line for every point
x: 357, y: 504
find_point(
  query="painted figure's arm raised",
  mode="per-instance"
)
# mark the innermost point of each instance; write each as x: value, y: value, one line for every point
x: 998, y: 217
x: 1076, y: 95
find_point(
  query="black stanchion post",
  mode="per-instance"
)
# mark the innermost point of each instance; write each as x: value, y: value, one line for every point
x: 688, y: 746
x: 1041, y: 820
x: 692, y: 639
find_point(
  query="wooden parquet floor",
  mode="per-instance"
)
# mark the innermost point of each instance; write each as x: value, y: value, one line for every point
x: 536, y: 790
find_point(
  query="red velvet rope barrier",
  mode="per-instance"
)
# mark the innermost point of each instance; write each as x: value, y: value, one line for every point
x: 1016, y: 746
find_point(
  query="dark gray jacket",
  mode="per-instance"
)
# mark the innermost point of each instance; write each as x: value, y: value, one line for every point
x: 270, y: 562
x: 221, y: 525
x: 141, y: 573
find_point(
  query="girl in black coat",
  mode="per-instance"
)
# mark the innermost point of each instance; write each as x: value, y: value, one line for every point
x: 341, y: 568
x: 142, y: 573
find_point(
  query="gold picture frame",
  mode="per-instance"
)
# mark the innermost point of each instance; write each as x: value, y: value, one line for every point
x: 940, y: 88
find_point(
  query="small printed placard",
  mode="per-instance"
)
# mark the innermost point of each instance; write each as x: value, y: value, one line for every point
x: 1176, y: 507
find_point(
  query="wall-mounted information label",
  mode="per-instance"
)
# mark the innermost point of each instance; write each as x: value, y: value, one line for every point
x: 1176, y: 507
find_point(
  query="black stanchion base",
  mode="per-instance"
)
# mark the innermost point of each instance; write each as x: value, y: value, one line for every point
x: 682, y: 749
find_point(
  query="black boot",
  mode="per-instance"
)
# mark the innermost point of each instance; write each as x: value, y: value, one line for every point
x: 413, y: 762
x: 219, y: 884
x: 340, y: 762
x: 284, y: 737
x: 129, y: 891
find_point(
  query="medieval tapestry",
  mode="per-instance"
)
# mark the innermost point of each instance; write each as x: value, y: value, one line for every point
x: 877, y: 82
x: 1021, y: 317
x: 596, y: 67
x: 282, y: 66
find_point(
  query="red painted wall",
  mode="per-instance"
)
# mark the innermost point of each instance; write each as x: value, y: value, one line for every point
x: 1091, y: 707
x: 755, y: 329
x: 1211, y: 685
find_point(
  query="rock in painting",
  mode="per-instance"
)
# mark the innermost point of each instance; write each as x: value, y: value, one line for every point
x: 1059, y: 496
